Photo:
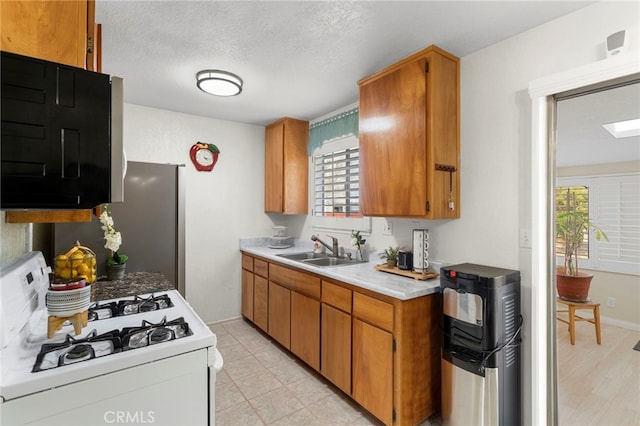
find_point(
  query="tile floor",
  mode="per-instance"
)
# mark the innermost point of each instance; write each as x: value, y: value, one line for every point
x: 262, y: 384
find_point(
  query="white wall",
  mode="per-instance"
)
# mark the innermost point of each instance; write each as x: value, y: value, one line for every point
x: 221, y: 206
x: 496, y: 146
x: 496, y: 140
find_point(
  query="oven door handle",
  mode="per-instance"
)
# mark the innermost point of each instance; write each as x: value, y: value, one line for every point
x: 215, y: 359
x: 215, y: 363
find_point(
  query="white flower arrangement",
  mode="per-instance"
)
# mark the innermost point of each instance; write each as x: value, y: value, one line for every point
x: 113, y: 238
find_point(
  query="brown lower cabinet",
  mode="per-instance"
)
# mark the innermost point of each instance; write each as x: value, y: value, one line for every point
x: 261, y: 302
x: 336, y: 347
x: 280, y: 314
x: 305, y: 329
x: 381, y: 351
x: 248, y: 288
x: 372, y: 369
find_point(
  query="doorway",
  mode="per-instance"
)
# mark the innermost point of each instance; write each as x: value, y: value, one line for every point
x: 543, y: 368
x: 599, y: 165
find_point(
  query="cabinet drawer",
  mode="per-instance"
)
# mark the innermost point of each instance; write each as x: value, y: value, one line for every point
x: 247, y: 262
x: 295, y: 280
x: 373, y: 311
x: 336, y: 296
x: 261, y: 267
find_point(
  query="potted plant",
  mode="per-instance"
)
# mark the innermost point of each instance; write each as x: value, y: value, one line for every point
x: 391, y: 255
x: 358, y: 242
x: 571, y: 225
x: 116, y: 262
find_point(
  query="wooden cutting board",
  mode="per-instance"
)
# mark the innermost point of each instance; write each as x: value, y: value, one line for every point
x: 415, y: 275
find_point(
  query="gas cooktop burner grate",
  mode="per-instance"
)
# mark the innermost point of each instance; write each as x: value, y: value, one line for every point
x: 72, y: 350
x: 98, y: 311
x: 151, y: 334
x: 53, y: 355
x: 143, y: 304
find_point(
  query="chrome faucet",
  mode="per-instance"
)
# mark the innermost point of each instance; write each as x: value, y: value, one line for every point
x: 333, y: 248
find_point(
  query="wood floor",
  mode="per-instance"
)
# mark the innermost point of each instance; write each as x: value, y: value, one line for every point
x: 598, y: 384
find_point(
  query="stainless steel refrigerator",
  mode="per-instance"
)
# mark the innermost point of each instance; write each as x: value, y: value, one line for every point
x: 151, y: 220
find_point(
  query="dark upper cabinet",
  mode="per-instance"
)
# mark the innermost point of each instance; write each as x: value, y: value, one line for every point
x: 55, y: 135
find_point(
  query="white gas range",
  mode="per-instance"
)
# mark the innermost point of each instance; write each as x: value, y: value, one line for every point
x: 147, y: 359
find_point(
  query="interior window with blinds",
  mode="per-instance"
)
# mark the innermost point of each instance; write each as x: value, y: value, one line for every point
x: 570, y: 198
x: 337, y: 184
x: 613, y: 203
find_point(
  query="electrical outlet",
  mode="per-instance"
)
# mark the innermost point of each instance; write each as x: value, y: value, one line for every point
x: 611, y: 302
x: 525, y: 238
x: 387, y: 228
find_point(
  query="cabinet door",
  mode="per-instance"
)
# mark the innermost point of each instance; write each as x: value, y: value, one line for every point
x: 296, y: 167
x: 260, y: 302
x: 336, y: 347
x: 397, y: 145
x: 56, y: 140
x: 373, y: 369
x: 280, y: 314
x: 274, y: 167
x: 247, y: 294
x: 51, y: 30
x: 286, y: 166
x: 305, y: 329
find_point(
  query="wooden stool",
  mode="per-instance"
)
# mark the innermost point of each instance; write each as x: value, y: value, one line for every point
x: 78, y: 321
x: 573, y: 306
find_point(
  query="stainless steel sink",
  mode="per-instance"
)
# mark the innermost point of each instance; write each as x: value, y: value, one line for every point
x: 303, y: 256
x: 318, y: 259
x: 330, y: 261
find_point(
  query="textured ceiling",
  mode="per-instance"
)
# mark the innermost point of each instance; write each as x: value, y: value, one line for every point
x: 299, y: 58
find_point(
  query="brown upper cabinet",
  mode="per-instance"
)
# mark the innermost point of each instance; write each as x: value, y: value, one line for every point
x: 286, y: 169
x: 410, y: 139
x: 57, y: 31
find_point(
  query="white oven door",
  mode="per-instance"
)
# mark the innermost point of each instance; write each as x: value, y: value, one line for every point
x: 171, y: 391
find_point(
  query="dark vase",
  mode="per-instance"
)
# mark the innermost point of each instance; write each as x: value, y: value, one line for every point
x: 116, y: 272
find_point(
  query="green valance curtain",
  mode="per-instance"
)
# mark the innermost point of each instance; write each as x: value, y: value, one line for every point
x: 343, y: 124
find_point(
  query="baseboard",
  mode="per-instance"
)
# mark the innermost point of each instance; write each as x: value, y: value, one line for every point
x: 620, y: 323
x: 219, y: 322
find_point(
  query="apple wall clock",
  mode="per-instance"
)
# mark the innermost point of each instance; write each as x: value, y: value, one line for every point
x: 204, y: 156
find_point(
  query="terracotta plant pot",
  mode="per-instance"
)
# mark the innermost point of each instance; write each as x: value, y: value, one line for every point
x: 575, y: 289
x: 392, y: 263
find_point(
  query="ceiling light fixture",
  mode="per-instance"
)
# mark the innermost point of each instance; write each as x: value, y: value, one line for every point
x: 219, y: 83
x: 624, y: 129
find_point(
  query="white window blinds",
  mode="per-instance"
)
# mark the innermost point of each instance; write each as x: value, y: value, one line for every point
x: 614, y: 205
x: 618, y: 212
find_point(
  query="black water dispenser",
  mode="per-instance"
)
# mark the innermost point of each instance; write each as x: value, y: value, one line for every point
x: 481, y: 379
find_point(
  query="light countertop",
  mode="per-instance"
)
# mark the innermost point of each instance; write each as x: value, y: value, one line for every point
x: 361, y: 274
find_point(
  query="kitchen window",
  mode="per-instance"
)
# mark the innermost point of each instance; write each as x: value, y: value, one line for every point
x: 337, y: 183
x: 335, y: 173
x: 335, y: 178
x: 613, y: 203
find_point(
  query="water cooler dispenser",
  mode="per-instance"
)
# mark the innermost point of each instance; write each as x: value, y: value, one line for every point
x: 481, y: 345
